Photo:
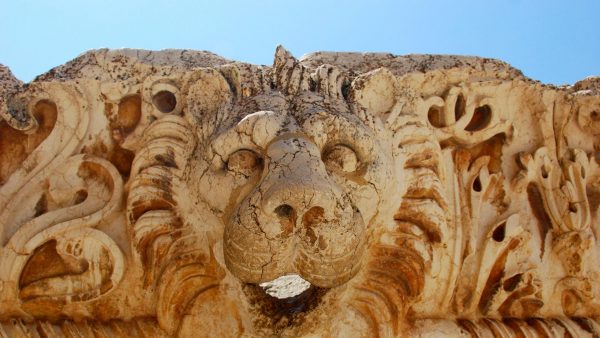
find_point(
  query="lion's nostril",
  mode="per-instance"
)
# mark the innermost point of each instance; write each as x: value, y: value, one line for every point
x: 287, y: 217
x: 284, y: 211
x: 311, y: 218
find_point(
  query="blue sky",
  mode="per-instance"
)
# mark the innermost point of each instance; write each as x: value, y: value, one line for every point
x: 551, y: 41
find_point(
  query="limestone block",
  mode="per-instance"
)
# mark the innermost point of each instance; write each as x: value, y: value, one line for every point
x: 177, y: 193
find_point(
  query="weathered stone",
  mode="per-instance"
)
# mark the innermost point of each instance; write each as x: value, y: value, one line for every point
x: 176, y: 193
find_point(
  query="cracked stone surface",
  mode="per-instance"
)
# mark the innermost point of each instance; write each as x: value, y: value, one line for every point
x: 180, y: 194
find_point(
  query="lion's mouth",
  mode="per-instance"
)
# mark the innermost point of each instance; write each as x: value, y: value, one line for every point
x: 286, y: 300
x: 286, y: 287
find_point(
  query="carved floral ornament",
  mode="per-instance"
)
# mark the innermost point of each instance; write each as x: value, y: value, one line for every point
x: 177, y: 193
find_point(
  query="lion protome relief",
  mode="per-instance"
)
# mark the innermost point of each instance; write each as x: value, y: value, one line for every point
x: 177, y: 193
x: 298, y: 218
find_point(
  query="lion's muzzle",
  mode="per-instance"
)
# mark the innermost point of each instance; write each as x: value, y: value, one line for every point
x: 296, y: 220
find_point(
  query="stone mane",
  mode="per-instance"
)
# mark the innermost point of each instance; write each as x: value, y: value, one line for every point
x: 178, y: 193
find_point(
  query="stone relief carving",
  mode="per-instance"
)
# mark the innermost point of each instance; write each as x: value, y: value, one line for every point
x: 177, y: 193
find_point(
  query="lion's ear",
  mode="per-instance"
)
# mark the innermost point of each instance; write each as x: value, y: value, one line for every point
x: 209, y: 96
x: 207, y: 91
x: 374, y: 95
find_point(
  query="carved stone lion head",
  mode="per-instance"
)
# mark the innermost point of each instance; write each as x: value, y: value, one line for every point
x: 296, y: 188
x: 298, y: 171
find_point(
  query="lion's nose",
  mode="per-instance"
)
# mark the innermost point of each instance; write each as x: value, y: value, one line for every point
x: 300, y: 202
x: 297, y: 190
x: 301, y: 206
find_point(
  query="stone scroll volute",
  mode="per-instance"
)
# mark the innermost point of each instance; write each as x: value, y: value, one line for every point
x: 177, y: 193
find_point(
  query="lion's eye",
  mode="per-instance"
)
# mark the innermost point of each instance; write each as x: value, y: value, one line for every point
x: 244, y: 162
x: 341, y: 157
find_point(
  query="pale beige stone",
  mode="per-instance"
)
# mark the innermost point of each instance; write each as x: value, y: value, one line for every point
x: 173, y: 193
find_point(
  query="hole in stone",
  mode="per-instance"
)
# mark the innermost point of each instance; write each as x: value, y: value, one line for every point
x: 544, y: 171
x: 481, y: 118
x: 459, y: 107
x: 164, y: 101
x: 345, y: 89
x: 511, y: 283
x: 284, y: 211
x: 572, y: 207
x: 285, y: 301
x: 595, y: 116
x: 41, y: 207
x: 16, y: 145
x: 585, y: 324
x: 45, y: 262
x: 499, y: 232
x: 122, y: 159
x: 285, y: 287
x: 435, y: 117
x: 312, y: 85
x: 130, y: 112
x: 311, y: 218
x: 287, y: 218
x: 80, y: 196
x: 537, y: 207
x: 477, y: 184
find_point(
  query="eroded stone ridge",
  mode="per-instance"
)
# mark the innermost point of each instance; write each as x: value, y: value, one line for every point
x: 177, y: 193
